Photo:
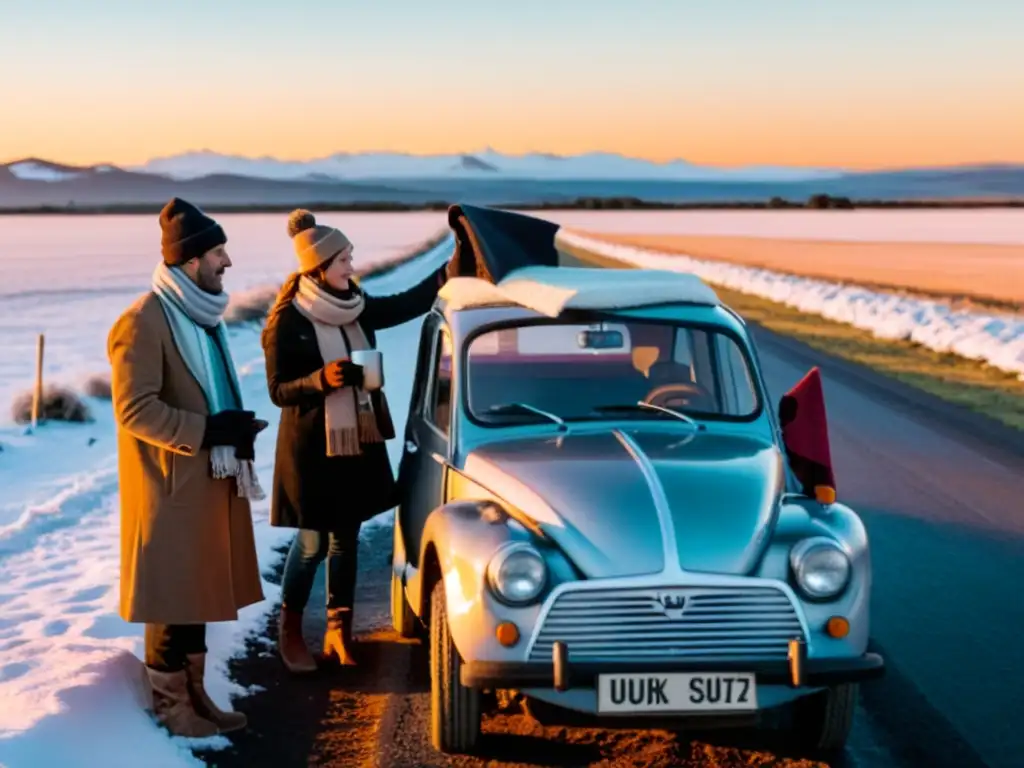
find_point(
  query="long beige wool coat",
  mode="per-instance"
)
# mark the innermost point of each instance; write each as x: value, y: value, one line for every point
x: 187, y: 548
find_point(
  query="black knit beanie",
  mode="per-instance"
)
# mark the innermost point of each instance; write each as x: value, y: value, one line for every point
x: 187, y: 232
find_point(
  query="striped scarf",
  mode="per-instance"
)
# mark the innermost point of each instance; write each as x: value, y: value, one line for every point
x: 349, y: 416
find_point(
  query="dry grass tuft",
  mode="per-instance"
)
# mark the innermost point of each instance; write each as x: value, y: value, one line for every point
x: 97, y: 386
x: 59, y: 404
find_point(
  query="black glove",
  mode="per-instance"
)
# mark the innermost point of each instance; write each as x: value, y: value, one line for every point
x: 342, y: 373
x: 235, y: 428
x: 246, y: 448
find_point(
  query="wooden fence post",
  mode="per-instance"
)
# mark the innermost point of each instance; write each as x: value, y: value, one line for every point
x: 37, y: 396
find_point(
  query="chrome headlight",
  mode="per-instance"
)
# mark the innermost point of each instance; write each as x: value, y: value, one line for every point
x: 517, y: 573
x: 821, y: 567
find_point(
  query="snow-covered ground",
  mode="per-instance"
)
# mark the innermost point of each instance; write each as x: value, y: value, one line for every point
x: 984, y: 226
x: 997, y: 339
x: 69, y: 665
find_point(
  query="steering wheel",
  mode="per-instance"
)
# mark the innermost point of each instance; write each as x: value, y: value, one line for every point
x: 676, y: 394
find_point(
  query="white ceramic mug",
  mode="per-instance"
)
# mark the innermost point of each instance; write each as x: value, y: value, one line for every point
x: 373, y: 368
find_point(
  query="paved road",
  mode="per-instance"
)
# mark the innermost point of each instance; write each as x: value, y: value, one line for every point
x: 943, y: 505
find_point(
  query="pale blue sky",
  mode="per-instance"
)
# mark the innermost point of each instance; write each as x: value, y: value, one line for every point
x: 732, y: 81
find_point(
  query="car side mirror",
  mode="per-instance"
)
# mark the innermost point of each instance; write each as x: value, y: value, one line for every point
x: 805, y: 436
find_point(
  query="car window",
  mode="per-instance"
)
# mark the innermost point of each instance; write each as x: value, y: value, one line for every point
x: 588, y: 371
x: 735, y: 379
x: 439, y: 404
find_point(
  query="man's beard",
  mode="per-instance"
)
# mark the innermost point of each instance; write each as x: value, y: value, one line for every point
x: 208, y: 284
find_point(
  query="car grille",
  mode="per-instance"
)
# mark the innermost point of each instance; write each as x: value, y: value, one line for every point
x: 630, y: 624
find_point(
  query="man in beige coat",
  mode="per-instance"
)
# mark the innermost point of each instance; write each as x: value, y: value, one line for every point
x: 185, y: 451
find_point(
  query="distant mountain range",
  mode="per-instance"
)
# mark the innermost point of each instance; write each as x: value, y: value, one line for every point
x: 486, y: 177
x: 486, y: 164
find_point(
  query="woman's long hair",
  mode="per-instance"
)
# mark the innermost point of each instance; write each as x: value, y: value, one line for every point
x: 284, y: 297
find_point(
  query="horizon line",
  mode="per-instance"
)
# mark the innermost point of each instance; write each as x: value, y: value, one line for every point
x: 486, y: 149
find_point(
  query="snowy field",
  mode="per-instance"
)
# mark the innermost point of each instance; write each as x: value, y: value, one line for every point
x: 71, y: 276
x: 985, y: 226
x: 997, y: 339
x: 68, y: 663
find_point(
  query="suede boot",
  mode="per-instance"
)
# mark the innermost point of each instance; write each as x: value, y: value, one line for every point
x: 204, y: 705
x: 338, y: 643
x: 173, y: 707
x: 291, y: 645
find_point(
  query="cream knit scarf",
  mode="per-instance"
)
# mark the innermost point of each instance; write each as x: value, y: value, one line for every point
x: 187, y: 308
x: 348, y: 411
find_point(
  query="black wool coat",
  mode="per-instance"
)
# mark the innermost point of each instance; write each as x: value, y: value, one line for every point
x: 311, y: 489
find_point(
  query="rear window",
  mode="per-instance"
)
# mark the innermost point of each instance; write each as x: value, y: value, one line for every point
x: 586, y: 371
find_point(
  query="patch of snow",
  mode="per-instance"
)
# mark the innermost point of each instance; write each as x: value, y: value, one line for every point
x: 71, y: 676
x: 994, y: 338
x: 32, y: 171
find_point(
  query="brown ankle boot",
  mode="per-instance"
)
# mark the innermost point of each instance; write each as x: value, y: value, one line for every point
x: 204, y: 705
x: 291, y: 645
x: 173, y: 707
x: 338, y: 638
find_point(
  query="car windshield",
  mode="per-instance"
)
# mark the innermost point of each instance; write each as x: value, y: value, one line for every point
x: 562, y: 371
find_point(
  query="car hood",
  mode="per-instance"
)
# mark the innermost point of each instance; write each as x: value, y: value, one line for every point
x: 614, y: 501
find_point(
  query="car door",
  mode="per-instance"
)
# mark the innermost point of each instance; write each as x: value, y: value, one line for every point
x: 424, y: 455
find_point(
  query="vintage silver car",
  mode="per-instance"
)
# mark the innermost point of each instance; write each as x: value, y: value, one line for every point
x: 601, y: 512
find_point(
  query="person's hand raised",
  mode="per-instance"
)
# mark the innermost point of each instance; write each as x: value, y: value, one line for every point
x: 462, y: 263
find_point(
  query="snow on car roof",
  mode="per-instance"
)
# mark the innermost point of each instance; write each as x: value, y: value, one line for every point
x: 549, y: 290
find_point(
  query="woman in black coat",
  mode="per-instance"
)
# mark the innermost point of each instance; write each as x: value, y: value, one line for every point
x: 331, y: 470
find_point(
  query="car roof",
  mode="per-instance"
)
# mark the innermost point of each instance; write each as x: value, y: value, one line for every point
x: 469, y: 304
x: 550, y: 290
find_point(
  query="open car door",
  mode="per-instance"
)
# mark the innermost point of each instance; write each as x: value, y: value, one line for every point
x: 805, y: 435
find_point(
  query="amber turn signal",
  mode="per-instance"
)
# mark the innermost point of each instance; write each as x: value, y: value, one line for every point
x: 825, y: 494
x: 507, y: 633
x: 837, y: 627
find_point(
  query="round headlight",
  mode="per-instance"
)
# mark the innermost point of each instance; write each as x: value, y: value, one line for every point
x: 821, y: 568
x: 517, y: 573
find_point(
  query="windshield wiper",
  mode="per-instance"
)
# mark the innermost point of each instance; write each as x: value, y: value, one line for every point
x: 520, y: 407
x: 642, y: 405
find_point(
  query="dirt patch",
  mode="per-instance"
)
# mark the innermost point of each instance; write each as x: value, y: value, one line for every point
x: 329, y: 718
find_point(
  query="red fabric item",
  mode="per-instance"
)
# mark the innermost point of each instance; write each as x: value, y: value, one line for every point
x: 805, y: 431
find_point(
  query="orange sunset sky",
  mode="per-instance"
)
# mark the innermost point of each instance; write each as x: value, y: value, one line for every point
x: 857, y: 85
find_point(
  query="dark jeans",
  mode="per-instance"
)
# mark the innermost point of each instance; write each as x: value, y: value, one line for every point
x: 308, y: 550
x: 169, y: 645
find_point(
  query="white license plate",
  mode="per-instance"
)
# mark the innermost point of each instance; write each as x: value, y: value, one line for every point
x: 677, y: 692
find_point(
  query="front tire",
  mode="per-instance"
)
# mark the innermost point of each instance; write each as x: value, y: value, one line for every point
x: 455, y: 711
x: 822, y: 721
